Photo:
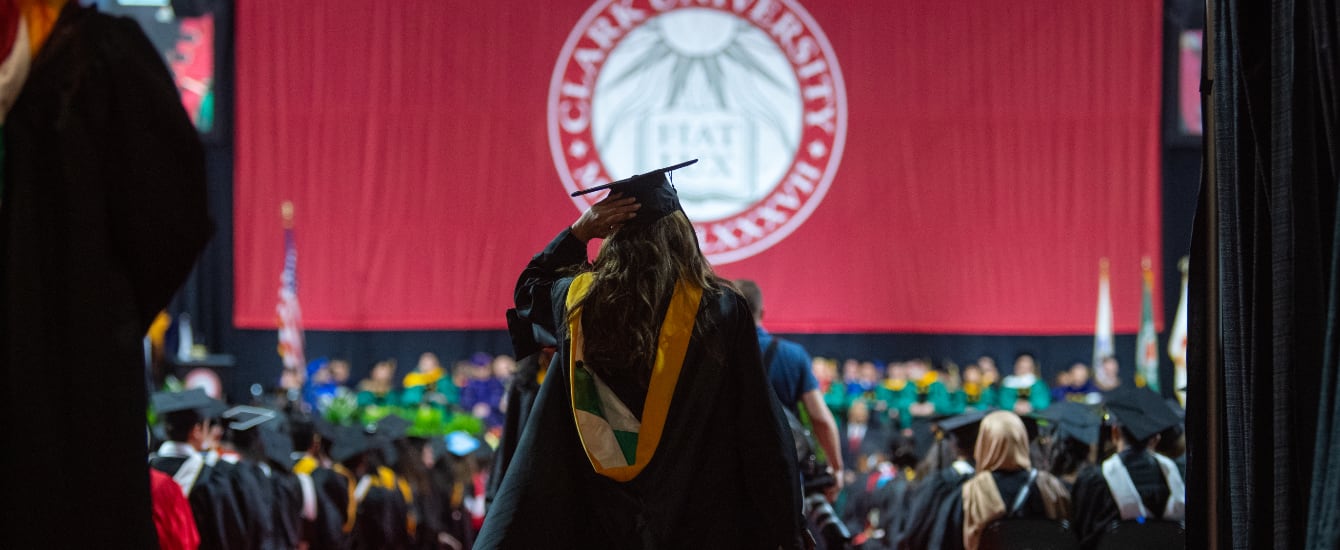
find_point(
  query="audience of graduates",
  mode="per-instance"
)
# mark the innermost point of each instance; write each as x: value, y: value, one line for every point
x: 934, y: 455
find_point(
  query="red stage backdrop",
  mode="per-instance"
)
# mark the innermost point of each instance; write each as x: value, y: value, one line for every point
x: 876, y: 165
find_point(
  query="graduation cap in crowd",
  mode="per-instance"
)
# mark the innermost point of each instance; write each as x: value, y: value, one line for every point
x: 1140, y: 411
x: 652, y: 190
x: 195, y: 400
x: 383, y: 433
x: 349, y: 442
x: 266, y: 426
x: 964, y: 426
x: 278, y: 446
x: 1071, y: 420
x: 244, y: 417
x: 460, y: 443
x: 391, y: 428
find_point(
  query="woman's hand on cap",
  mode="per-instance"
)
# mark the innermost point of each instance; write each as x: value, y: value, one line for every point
x: 605, y: 217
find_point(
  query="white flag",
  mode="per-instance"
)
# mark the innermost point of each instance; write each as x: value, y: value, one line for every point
x: 1102, y: 331
x: 1177, y: 341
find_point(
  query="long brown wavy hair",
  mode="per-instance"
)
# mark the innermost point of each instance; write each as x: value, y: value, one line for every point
x: 634, y: 276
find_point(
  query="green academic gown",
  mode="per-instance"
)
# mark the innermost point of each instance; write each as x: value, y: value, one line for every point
x: 723, y: 475
x: 1038, y: 395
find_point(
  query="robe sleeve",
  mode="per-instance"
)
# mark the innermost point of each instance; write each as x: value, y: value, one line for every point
x: 1093, y: 506
x: 158, y: 223
x: 539, y: 299
x: 937, y: 395
x: 764, y: 447
x: 1040, y: 397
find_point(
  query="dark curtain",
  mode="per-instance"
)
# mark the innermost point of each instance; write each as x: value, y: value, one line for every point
x: 1320, y: 22
x: 1263, y: 298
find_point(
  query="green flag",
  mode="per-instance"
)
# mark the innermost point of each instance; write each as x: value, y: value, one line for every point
x: 1147, y: 343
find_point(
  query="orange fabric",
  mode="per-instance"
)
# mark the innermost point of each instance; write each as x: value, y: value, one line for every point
x: 172, y: 514
x: 41, y: 16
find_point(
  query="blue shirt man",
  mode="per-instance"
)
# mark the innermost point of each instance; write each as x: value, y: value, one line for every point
x: 788, y: 371
x: 794, y: 382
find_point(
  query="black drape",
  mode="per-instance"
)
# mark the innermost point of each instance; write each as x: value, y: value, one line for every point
x: 1320, y: 22
x: 1263, y: 299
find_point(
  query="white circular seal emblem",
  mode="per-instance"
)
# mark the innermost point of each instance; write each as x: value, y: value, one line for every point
x: 750, y: 87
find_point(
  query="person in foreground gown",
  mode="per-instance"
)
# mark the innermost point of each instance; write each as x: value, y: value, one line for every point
x: 655, y: 426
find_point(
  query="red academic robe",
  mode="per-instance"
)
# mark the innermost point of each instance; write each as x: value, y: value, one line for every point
x: 172, y: 514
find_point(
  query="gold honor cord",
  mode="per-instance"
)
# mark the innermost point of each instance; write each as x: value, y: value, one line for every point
x: 671, y: 345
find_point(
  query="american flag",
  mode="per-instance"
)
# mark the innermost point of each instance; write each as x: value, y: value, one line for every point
x: 290, y: 315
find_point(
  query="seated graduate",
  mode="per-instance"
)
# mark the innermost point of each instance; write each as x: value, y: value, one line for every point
x: 1005, y: 485
x: 656, y: 425
x: 315, y: 438
x: 1071, y: 440
x: 274, y: 501
x: 383, y: 501
x: 940, y: 475
x: 1135, y: 483
x: 1024, y: 391
x: 207, y: 487
x: 878, y: 502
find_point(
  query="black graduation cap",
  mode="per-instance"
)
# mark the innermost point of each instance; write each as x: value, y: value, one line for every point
x: 391, y: 428
x: 190, y: 400
x: 1140, y: 411
x: 652, y: 191
x: 1176, y: 407
x: 326, y: 429
x: 244, y: 417
x: 1072, y: 420
x: 349, y: 441
x: 964, y: 426
x: 278, y: 445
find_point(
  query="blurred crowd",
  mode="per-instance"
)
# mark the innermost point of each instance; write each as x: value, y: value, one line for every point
x: 403, y: 459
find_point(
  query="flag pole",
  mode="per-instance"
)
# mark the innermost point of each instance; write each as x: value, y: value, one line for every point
x: 286, y: 214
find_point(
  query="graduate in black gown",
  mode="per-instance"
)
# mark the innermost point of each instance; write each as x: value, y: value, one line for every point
x: 1072, y: 435
x: 385, y: 515
x: 102, y: 215
x: 208, y: 488
x: 1135, y: 483
x: 270, y: 495
x: 943, y: 472
x: 655, y: 426
x: 325, y: 530
x: 1005, y: 486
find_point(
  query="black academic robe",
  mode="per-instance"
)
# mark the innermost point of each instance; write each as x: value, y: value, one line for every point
x: 214, y: 504
x: 724, y: 474
x: 1094, y: 507
x: 893, y: 500
x: 256, y: 500
x: 948, y: 525
x: 926, y: 509
x: 332, y: 497
x: 101, y: 217
x: 270, y: 506
x: 382, y: 521
x: 521, y: 392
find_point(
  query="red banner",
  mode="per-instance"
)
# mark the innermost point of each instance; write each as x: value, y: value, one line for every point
x: 877, y: 166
